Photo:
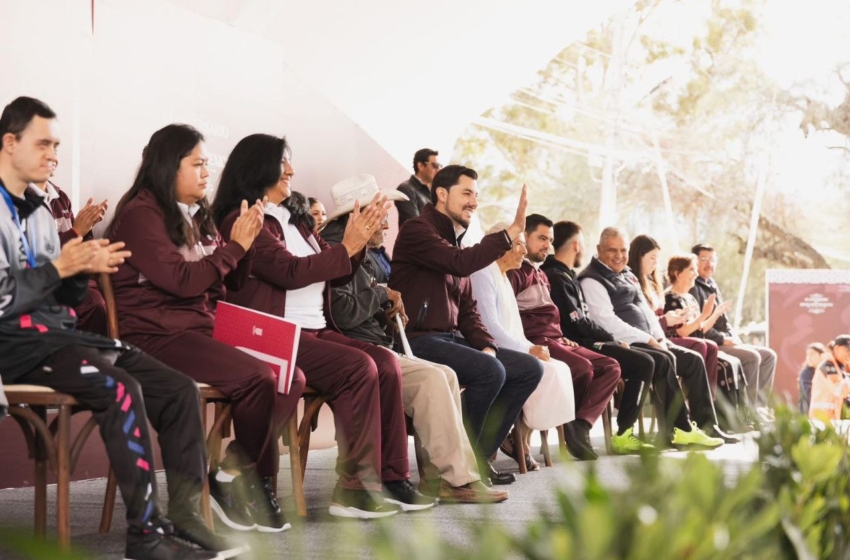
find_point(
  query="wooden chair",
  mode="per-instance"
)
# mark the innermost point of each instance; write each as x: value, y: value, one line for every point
x: 297, y: 437
x: 208, y: 395
x: 544, y: 444
x: 50, y: 445
x: 608, y: 415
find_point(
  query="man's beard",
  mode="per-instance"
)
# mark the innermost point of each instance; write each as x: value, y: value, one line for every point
x: 458, y: 217
x: 536, y: 258
x: 579, y: 260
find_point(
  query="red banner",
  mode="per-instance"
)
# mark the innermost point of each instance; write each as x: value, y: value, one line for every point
x: 804, y: 306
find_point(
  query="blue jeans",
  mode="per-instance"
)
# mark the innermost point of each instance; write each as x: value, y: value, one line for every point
x: 496, y: 387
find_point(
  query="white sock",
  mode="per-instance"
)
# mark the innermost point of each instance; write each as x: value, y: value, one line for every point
x: 222, y: 476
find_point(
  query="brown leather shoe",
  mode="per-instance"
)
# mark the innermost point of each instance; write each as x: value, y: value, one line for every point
x: 430, y: 487
x: 472, y: 493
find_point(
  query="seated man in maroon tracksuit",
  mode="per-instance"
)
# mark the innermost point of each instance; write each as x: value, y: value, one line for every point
x: 595, y: 376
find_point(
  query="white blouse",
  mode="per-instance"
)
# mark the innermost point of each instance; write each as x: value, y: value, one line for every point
x: 304, y: 306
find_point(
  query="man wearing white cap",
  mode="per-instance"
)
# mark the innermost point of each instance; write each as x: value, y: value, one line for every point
x: 430, y: 392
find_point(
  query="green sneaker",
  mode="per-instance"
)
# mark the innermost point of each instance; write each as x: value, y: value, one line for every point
x: 627, y: 444
x: 695, y: 437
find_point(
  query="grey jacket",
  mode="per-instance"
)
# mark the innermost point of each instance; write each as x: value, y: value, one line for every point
x: 357, y: 308
x: 36, y: 315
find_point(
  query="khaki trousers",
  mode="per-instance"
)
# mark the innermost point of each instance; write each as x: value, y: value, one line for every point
x: 431, y: 396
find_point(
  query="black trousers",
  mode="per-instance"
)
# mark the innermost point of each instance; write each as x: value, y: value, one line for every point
x: 637, y: 369
x: 124, y: 394
x: 671, y: 364
x: 690, y: 367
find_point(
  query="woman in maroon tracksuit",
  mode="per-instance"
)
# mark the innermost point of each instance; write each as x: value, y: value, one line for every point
x: 292, y: 271
x: 166, y: 294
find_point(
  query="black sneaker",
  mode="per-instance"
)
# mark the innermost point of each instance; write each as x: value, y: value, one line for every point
x: 156, y: 546
x: 577, y: 438
x: 195, y: 531
x: 403, y: 494
x: 265, y: 510
x: 360, y: 504
x: 228, y: 501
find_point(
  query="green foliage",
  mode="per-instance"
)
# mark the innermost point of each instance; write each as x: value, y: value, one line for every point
x: 808, y: 471
x: 794, y: 503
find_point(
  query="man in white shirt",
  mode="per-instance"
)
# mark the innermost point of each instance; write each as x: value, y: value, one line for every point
x: 614, y: 300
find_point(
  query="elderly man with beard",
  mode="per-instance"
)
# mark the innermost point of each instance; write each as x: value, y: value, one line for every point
x: 431, y: 268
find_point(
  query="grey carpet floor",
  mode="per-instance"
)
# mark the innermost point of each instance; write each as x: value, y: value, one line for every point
x: 319, y: 535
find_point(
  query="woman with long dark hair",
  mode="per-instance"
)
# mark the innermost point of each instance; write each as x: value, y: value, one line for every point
x: 292, y: 271
x: 166, y: 295
x: 643, y: 260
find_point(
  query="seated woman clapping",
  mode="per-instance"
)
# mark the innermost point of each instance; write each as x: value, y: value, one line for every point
x: 166, y: 295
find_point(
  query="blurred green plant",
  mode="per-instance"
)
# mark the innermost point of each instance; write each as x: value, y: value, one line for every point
x: 807, y: 470
x: 794, y: 503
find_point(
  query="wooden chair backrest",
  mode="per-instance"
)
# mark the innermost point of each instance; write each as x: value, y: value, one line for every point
x: 105, y: 282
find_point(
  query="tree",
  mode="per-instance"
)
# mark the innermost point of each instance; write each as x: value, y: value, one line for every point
x: 690, y: 111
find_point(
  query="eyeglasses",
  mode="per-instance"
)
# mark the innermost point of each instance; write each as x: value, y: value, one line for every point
x: 435, y: 165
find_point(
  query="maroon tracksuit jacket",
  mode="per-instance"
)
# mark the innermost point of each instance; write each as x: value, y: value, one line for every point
x: 595, y: 376
x: 432, y: 271
x: 362, y: 381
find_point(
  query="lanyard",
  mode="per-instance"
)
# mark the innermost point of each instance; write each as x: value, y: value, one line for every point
x: 30, y: 250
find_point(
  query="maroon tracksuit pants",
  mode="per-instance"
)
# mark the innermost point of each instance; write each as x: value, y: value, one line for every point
x: 364, y: 385
x: 708, y: 350
x: 259, y: 411
x: 595, y: 376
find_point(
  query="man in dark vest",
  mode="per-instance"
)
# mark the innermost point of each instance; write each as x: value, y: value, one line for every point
x: 638, y: 368
x: 615, y: 301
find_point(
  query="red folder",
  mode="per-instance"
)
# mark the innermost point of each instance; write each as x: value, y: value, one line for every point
x: 268, y: 338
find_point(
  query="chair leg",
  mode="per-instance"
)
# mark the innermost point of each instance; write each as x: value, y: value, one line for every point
x: 108, y: 502
x: 544, y: 448
x: 295, y: 465
x: 562, y: 442
x: 304, y: 445
x: 519, y: 446
x: 63, y: 478
x: 606, y: 426
x: 40, y: 478
x: 420, y: 455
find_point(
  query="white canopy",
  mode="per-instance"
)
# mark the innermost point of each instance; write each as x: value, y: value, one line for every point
x: 413, y: 74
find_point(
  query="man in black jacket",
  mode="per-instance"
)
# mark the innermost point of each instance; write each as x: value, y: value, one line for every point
x: 637, y: 367
x: 418, y: 187
x: 758, y: 362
